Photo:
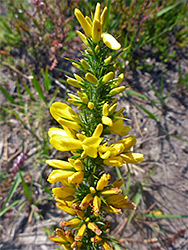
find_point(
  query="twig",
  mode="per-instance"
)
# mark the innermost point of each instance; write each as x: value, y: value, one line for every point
x: 17, y: 71
x: 117, y: 230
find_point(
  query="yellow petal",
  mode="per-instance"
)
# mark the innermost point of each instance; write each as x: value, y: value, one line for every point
x: 84, y: 64
x: 96, y: 31
x: 111, y: 209
x: 56, y: 131
x: 128, y: 142
x: 68, y: 209
x: 105, y: 109
x: 57, y: 175
x: 85, y: 202
x: 83, y: 22
x: 120, y: 79
x: 116, y: 161
x: 98, y: 130
x: 108, y: 60
x: 119, y: 128
x: 81, y: 233
x: 96, y: 205
x: 110, y: 41
x: 106, y: 245
x: 90, y: 146
x: 63, y: 192
x: 94, y: 228
x: 78, y: 165
x: 63, y: 143
x: 82, y: 37
x: 132, y: 157
x: 76, y: 245
x: 59, y: 164
x: 76, y: 178
x: 97, y: 12
x: 107, y: 121
x: 104, y: 15
x: 62, y: 113
x: 71, y: 223
x: 103, y: 181
x: 90, y: 105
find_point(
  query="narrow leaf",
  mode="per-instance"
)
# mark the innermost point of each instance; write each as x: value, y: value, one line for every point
x: 13, y: 188
x: 7, y: 95
x: 38, y: 87
x: 152, y: 116
x: 7, y: 208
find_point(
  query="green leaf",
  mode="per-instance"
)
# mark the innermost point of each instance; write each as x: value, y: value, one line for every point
x: 28, y: 90
x: 136, y: 200
x: 7, y: 95
x: 47, y: 81
x: 27, y: 191
x: 164, y: 216
x: 152, y: 116
x: 7, y: 208
x: 13, y: 188
x: 132, y: 92
x: 165, y: 10
x: 38, y: 87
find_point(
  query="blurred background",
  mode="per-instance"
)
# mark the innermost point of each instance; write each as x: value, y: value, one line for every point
x: 35, y: 38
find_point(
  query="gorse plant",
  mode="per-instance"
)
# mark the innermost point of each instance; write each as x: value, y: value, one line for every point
x: 87, y: 193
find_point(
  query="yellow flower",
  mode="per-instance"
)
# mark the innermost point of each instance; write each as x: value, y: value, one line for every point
x: 89, y: 144
x: 103, y: 181
x: 132, y: 157
x: 71, y: 223
x: 85, y: 202
x: 62, y: 239
x: 64, y: 193
x: 94, y: 29
x: 65, y: 206
x: 70, y: 171
x: 93, y: 227
x: 109, y: 197
x: 64, y: 143
x: 117, y: 154
x: 118, y: 201
x: 119, y: 128
x: 96, y: 205
x: 64, y: 115
x: 58, y: 175
x: 106, y: 245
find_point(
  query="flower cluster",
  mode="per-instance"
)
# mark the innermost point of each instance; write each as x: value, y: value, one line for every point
x: 86, y: 192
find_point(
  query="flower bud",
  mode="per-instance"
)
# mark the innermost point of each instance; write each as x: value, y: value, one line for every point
x: 96, y: 31
x: 117, y: 90
x: 83, y: 22
x: 84, y: 64
x: 91, y: 78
